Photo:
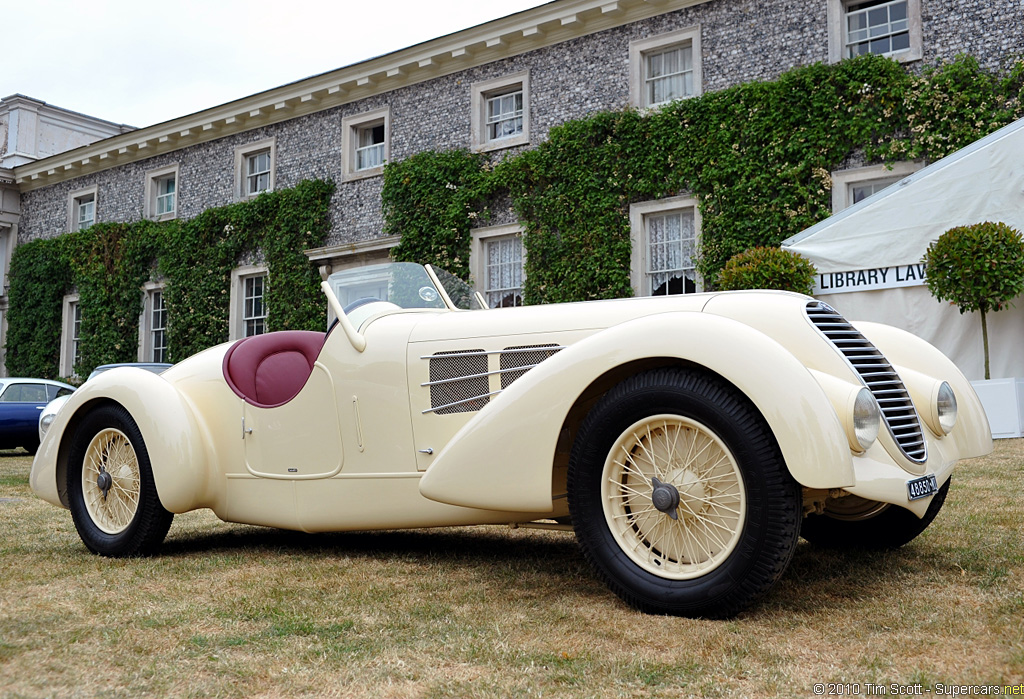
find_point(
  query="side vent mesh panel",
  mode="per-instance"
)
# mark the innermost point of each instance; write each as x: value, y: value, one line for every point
x: 516, y: 361
x: 897, y: 408
x: 463, y: 381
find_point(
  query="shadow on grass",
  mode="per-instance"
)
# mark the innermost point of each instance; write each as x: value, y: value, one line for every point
x: 555, y: 553
x: 817, y: 579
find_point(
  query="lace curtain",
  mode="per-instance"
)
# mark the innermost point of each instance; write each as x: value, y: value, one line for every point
x: 671, y: 253
x: 504, y: 274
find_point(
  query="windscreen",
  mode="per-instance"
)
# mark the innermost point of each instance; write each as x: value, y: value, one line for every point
x: 404, y: 284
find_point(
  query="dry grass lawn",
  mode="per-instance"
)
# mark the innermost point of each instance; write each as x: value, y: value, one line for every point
x: 237, y: 611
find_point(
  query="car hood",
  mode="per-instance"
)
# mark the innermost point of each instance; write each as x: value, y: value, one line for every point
x: 586, y: 315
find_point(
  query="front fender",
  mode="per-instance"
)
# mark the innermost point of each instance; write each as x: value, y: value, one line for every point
x: 503, y: 457
x: 172, y: 435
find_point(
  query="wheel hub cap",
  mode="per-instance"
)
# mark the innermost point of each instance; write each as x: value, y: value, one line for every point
x: 665, y: 497
x: 104, y: 482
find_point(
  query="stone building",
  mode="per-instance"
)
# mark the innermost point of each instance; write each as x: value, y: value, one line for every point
x: 501, y: 85
x: 32, y: 130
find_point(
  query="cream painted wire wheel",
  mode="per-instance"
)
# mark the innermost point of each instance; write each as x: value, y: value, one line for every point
x: 110, y: 481
x: 683, y: 535
x: 852, y: 522
x: 679, y: 495
x: 113, y: 498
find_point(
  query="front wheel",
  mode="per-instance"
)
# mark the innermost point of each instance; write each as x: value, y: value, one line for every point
x: 853, y: 522
x: 680, y: 496
x: 113, y: 497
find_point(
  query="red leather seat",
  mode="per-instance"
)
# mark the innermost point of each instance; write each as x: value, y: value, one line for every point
x: 269, y: 370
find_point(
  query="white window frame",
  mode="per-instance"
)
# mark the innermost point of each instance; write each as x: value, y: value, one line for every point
x: 75, y: 200
x: 843, y: 181
x: 640, y: 49
x: 351, y: 126
x: 237, y: 298
x: 836, y: 17
x: 68, y: 339
x: 242, y: 155
x: 351, y: 256
x: 478, y: 254
x: 153, y: 194
x: 146, y: 326
x: 638, y: 214
x: 485, y: 90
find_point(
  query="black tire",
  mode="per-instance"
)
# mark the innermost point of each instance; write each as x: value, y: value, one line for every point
x: 127, y: 519
x: 655, y: 411
x: 32, y: 447
x: 855, y: 523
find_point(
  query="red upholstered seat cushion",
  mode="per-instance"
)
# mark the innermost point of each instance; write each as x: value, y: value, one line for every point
x: 269, y: 370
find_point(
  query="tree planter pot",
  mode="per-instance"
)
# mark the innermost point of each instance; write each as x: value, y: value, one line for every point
x: 1003, y: 400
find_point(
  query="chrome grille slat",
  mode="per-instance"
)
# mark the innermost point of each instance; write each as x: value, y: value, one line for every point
x: 459, y: 382
x: 898, y: 411
x: 516, y: 361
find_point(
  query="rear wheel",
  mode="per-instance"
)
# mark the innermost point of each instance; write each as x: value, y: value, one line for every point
x: 680, y: 497
x: 853, y: 522
x: 113, y: 497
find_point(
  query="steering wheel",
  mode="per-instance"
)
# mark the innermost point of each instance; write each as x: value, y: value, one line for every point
x: 359, y: 302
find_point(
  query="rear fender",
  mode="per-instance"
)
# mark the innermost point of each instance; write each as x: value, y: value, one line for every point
x: 174, y: 439
x: 503, y: 457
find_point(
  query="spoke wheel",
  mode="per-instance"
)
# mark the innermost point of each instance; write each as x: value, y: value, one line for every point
x: 111, y: 491
x: 673, y: 497
x: 679, y: 495
x: 110, y: 481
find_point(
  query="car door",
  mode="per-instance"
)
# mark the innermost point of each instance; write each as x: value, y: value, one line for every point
x: 20, y: 406
x: 298, y: 440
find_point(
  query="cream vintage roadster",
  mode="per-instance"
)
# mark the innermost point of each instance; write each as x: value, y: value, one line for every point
x: 687, y: 440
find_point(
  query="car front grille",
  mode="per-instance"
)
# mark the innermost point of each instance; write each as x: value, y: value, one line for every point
x: 898, y: 412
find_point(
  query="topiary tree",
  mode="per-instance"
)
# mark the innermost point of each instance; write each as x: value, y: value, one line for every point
x: 767, y: 268
x: 978, y: 268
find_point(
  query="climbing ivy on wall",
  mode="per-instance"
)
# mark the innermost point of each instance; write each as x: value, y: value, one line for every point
x: 109, y: 263
x: 39, y: 281
x: 199, y: 254
x: 758, y: 157
x: 431, y: 201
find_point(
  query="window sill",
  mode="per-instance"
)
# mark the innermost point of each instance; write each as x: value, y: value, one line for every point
x: 503, y: 143
x: 362, y: 174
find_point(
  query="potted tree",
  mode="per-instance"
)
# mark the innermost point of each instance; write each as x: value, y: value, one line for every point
x: 767, y: 268
x: 980, y: 268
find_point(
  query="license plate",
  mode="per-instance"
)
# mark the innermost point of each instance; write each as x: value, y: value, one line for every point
x: 922, y: 487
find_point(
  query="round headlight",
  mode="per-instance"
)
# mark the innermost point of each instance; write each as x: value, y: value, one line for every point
x: 46, y: 421
x: 945, y: 407
x: 865, y: 418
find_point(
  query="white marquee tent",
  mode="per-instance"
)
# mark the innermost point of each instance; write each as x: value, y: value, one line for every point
x: 869, y: 256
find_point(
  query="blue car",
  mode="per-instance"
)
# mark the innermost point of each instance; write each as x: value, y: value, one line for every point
x: 21, y: 402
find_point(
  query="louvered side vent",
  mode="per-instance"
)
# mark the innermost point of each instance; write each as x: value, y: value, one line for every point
x: 458, y: 381
x: 897, y: 408
x: 516, y: 361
